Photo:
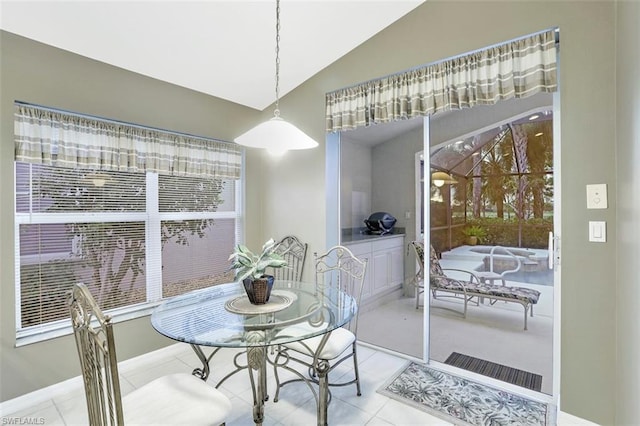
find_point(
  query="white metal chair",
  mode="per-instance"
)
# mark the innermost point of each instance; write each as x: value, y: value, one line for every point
x: 295, y: 253
x: 170, y: 400
x: 338, y: 267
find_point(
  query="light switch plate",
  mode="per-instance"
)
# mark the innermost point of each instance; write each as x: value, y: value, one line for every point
x: 597, y: 196
x: 598, y: 231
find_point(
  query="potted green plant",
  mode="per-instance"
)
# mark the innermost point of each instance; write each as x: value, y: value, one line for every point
x: 250, y: 270
x: 474, y: 234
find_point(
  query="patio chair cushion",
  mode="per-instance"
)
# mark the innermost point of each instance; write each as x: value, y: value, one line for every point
x: 520, y: 293
x: 341, y: 340
x: 438, y: 279
x: 434, y: 264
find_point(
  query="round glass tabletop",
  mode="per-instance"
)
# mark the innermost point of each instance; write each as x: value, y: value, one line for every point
x: 220, y: 316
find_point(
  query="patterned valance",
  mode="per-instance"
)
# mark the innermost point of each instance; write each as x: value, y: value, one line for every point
x: 516, y: 69
x: 56, y: 138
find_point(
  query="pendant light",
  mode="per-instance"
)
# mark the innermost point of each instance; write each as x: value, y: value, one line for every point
x: 276, y: 135
x: 440, y: 178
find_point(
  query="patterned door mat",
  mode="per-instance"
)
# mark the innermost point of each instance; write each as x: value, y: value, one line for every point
x: 497, y: 371
x: 462, y: 401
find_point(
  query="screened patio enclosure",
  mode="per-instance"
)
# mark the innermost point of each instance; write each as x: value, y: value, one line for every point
x: 501, y: 186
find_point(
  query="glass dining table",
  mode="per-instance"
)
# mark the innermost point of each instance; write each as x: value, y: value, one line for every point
x: 222, y: 317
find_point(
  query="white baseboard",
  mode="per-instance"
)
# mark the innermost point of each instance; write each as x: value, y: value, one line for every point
x: 39, y: 396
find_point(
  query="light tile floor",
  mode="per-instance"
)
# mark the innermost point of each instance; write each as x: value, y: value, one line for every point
x: 63, y: 404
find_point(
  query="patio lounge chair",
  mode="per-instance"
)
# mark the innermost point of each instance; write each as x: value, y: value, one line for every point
x: 418, y: 280
x: 439, y: 282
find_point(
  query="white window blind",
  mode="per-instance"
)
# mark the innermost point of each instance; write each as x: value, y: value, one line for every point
x: 133, y: 238
x: 198, y: 232
x: 129, y: 244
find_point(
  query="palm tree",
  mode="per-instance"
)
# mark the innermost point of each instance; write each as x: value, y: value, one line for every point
x: 495, y: 168
x: 540, y: 154
x: 520, y: 143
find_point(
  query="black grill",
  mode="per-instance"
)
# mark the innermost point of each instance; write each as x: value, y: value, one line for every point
x: 380, y: 223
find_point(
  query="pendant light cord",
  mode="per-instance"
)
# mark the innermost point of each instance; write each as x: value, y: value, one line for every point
x: 277, y: 110
x: 276, y: 135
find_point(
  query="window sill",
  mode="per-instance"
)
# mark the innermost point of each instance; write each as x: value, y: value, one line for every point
x: 63, y: 327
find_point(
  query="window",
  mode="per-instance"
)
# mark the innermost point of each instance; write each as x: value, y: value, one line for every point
x: 133, y: 238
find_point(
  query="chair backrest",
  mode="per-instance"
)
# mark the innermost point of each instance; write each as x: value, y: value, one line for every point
x: 437, y: 277
x: 97, y: 352
x: 434, y: 264
x: 295, y: 253
x: 418, y: 247
x: 339, y: 268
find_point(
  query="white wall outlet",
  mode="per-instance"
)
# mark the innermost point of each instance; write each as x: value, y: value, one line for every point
x: 597, y: 196
x: 598, y: 231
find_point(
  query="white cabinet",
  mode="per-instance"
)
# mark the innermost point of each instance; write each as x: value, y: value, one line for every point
x: 363, y: 252
x: 385, y: 267
x: 396, y: 254
x: 380, y: 269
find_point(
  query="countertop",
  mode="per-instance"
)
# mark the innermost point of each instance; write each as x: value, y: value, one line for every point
x: 357, y: 235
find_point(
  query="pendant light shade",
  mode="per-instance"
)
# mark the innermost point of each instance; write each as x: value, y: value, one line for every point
x: 440, y: 178
x: 276, y: 135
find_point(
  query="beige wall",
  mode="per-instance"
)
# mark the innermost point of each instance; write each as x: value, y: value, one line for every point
x: 394, y: 188
x: 628, y: 176
x: 440, y: 29
x: 287, y: 195
x: 355, y: 184
x: 394, y: 178
x: 39, y: 74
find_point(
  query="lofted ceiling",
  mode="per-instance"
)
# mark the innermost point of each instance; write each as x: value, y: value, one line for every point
x: 222, y: 48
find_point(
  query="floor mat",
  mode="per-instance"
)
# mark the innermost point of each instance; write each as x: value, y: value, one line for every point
x: 462, y: 401
x: 497, y: 371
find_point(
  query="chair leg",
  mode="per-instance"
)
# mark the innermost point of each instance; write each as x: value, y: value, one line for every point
x: 276, y: 376
x: 464, y: 314
x: 355, y: 368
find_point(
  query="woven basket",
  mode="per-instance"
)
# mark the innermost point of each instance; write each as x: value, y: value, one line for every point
x: 258, y: 290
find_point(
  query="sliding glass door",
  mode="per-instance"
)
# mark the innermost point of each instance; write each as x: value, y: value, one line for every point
x: 501, y: 193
